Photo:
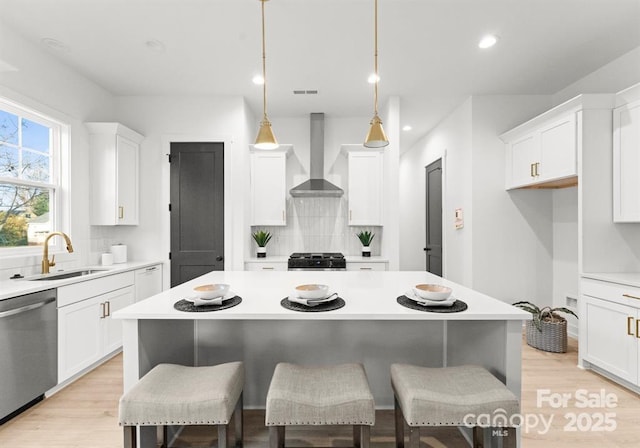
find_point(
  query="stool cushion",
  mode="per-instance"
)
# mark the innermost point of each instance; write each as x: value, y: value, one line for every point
x: 447, y: 396
x: 172, y: 394
x: 319, y: 395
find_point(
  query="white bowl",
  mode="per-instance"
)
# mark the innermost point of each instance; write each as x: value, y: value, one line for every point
x: 312, y: 291
x: 432, y: 292
x: 212, y: 291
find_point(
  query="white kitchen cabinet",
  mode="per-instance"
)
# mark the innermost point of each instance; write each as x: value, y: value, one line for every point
x: 114, y: 166
x: 269, y: 186
x: 611, y: 314
x: 148, y: 282
x: 86, y: 330
x: 543, y: 152
x: 265, y: 266
x: 364, y: 186
x: 626, y: 163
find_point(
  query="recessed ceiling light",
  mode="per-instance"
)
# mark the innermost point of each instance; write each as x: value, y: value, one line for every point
x: 54, y: 44
x: 488, y: 41
x: 155, y: 45
x: 406, y: 127
x: 258, y: 79
x: 373, y: 78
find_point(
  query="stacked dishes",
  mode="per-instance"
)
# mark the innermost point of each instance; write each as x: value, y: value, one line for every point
x: 213, y: 294
x: 427, y: 294
x: 312, y: 294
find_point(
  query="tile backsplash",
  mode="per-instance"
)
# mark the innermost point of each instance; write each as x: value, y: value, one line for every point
x: 317, y: 225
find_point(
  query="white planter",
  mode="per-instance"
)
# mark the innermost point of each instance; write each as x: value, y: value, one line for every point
x: 366, y: 251
x: 262, y: 252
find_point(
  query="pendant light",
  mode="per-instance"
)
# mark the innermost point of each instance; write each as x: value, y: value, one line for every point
x: 376, y: 137
x: 265, y: 138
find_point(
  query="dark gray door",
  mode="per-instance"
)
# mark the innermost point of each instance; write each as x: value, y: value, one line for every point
x: 197, y: 210
x: 433, y: 249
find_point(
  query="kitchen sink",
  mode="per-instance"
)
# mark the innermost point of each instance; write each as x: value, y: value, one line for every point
x: 66, y: 274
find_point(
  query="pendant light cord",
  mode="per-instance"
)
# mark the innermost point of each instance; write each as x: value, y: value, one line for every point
x: 375, y: 58
x: 264, y: 67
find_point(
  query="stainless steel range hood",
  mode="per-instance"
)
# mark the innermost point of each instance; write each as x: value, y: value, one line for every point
x: 317, y: 186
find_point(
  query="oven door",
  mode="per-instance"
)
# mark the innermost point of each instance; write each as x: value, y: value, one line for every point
x: 317, y: 269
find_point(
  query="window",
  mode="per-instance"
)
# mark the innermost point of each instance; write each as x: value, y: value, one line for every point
x: 29, y: 177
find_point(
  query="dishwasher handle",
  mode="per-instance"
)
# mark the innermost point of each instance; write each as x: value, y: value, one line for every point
x: 26, y: 308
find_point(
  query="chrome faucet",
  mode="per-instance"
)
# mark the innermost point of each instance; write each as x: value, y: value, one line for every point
x: 46, y: 263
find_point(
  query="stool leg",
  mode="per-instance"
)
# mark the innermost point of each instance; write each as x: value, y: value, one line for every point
x: 510, y: 440
x: 162, y: 436
x: 478, y: 437
x: 399, y: 423
x: 239, y: 416
x: 130, y: 439
x: 276, y: 436
x: 414, y: 436
x: 357, y: 439
x: 222, y: 436
x: 365, y: 435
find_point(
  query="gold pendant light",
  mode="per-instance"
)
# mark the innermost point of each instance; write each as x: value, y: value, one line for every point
x: 376, y: 137
x: 265, y: 138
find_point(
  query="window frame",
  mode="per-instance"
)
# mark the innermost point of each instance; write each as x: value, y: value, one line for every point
x: 58, y: 182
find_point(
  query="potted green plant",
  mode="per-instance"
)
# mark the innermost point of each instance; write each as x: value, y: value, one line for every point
x: 365, y: 237
x: 548, y: 330
x: 261, y: 238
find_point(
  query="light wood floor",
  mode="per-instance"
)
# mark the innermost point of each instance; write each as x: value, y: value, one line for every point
x: 85, y: 414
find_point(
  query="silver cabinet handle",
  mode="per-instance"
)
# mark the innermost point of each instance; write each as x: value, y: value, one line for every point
x: 102, y: 311
x: 152, y: 268
x: 365, y: 269
x: 25, y: 308
x: 267, y: 268
x: 629, y: 296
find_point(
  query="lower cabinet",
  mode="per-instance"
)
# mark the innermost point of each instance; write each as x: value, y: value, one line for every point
x: 366, y: 266
x: 265, y: 266
x: 612, y: 339
x: 148, y: 282
x: 86, y: 330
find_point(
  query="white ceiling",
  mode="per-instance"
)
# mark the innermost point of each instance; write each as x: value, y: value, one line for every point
x: 427, y: 48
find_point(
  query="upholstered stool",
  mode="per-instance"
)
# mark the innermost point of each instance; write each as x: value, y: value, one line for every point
x: 319, y: 395
x: 449, y: 396
x: 170, y: 394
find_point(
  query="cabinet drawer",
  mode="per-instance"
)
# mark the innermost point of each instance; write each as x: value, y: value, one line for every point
x: 612, y: 292
x: 351, y: 266
x: 93, y: 287
x: 260, y: 266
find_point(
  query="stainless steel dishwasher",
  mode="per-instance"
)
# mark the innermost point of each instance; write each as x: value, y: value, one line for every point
x: 28, y: 350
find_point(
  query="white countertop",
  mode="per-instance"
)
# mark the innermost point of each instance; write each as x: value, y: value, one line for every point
x: 623, y: 278
x: 368, y: 296
x: 17, y: 287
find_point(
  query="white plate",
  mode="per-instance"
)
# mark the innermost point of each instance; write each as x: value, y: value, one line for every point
x: 424, y: 302
x: 312, y: 302
x: 217, y: 301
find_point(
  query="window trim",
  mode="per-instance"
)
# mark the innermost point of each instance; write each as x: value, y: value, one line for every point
x: 59, y: 178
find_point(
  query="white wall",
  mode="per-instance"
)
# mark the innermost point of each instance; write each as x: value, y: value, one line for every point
x: 451, y: 141
x: 44, y: 84
x: 512, y: 230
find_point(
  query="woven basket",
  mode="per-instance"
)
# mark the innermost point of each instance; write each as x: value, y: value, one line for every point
x: 552, y: 338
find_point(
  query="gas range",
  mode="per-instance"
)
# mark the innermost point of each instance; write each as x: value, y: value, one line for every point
x: 327, y: 261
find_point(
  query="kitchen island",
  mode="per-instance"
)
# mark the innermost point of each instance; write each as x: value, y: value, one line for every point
x: 372, y: 328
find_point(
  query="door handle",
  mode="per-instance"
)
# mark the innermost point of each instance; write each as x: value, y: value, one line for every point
x: 427, y: 249
x: 108, y: 307
x: 219, y: 258
x: 537, y: 166
x: 637, y: 328
x: 629, y: 320
x: 121, y: 212
x: 23, y: 309
x: 531, y: 170
x: 102, y: 313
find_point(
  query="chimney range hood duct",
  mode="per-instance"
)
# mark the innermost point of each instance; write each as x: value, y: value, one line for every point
x: 316, y: 187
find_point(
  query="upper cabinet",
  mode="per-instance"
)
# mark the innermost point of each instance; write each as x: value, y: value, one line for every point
x: 364, y: 185
x: 269, y: 186
x: 626, y: 158
x: 114, y: 168
x: 543, y: 152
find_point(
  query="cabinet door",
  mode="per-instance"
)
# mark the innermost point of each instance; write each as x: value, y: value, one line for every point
x: 268, y: 189
x: 113, y: 327
x: 79, y: 337
x: 525, y: 153
x: 363, y: 266
x: 148, y: 282
x: 268, y: 266
x: 611, y: 339
x: 365, y: 188
x: 626, y: 163
x: 127, y: 181
x: 558, y: 155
